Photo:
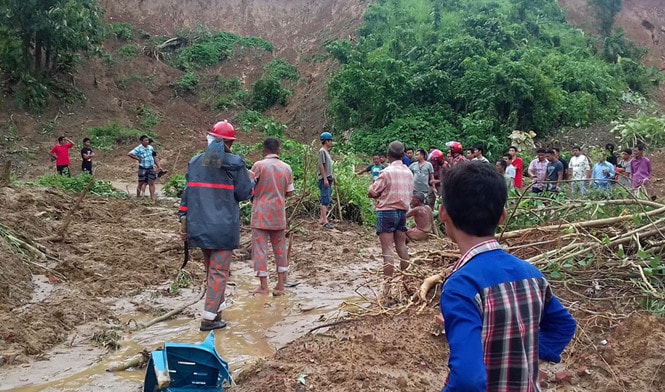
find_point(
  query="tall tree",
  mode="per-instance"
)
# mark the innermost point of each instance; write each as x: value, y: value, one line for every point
x: 45, y: 36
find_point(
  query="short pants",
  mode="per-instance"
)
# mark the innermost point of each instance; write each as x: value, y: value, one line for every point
x: 63, y: 170
x: 86, y: 166
x: 390, y: 221
x: 326, y: 193
x: 147, y: 175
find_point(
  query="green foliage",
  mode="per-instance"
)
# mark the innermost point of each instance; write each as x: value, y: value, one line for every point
x: 78, y: 183
x: 475, y: 70
x: 122, y: 31
x: 128, y: 51
x: 148, y: 116
x: 174, y: 186
x: 231, y: 94
x: 109, y: 136
x: 280, y: 69
x: 266, y: 93
x: 39, y: 39
x: 253, y: 120
x: 188, y: 83
x: 204, y: 48
x: 645, y: 129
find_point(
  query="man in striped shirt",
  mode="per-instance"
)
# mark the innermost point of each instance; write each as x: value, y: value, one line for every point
x: 500, y: 314
x: 393, y: 190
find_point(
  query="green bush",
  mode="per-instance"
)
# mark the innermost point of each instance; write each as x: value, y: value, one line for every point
x: 475, y: 71
x: 148, y: 116
x: 203, y: 47
x: 280, y: 69
x: 78, y: 183
x: 266, y: 93
x: 175, y: 185
x: 188, y: 82
x: 122, y: 31
x: 109, y: 136
x: 128, y: 51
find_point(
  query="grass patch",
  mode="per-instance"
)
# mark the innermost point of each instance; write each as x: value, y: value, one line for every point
x: 128, y: 51
x: 109, y: 136
x: 283, y: 70
x: 122, y: 31
x: 78, y: 183
x: 204, y: 47
x: 175, y: 185
x: 149, y: 118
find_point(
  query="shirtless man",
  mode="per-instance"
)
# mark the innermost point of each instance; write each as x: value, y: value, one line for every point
x: 422, y: 215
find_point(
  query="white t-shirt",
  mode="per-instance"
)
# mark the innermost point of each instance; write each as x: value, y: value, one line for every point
x: 579, y: 165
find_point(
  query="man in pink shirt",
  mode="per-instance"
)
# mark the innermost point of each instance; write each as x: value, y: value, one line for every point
x: 274, y: 183
x: 393, y: 190
x: 60, y: 153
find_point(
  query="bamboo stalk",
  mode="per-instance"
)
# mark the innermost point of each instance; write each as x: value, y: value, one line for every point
x: 575, y: 225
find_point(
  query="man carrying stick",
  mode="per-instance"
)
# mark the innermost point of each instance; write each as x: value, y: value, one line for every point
x: 273, y: 184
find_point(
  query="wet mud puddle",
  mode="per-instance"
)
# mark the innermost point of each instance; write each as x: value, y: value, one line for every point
x: 257, y: 326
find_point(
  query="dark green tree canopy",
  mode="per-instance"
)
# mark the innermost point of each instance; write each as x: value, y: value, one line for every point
x: 40, y: 38
x: 429, y: 71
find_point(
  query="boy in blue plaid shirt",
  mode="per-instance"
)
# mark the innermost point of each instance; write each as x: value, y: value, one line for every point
x: 500, y: 314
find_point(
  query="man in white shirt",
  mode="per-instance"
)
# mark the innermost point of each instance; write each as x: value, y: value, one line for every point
x: 580, y: 171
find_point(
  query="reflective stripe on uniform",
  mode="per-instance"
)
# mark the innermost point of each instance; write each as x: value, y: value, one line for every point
x: 209, y: 185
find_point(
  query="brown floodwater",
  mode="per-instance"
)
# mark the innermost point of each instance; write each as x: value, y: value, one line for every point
x: 257, y: 326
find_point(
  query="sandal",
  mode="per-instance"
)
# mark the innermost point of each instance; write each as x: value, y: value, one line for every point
x: 328, y: 225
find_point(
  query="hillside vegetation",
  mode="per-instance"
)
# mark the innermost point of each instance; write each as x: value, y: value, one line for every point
x: 427, y: 71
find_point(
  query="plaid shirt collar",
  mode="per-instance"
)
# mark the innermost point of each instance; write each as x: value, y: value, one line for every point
x: 275, y: 156
x: 485, y: 246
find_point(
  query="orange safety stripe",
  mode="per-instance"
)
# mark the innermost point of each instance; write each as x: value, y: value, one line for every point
x: 209, y: 185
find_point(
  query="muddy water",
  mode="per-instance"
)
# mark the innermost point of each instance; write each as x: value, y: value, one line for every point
x: 257, y: 325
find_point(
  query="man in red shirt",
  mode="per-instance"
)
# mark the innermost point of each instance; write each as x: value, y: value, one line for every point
x: 273, y: 184
x: 393, y: 190
x: 517, y: 164
x: 60, y: 153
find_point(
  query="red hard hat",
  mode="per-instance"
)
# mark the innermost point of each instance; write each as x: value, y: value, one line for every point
x: 455, y: 147
x: 436, y: 155
x: 223, y: 130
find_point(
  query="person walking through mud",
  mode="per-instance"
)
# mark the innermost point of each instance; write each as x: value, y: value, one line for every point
x: 500, y: 315
x: 326, y: 178
x: 143, y: 154
x: 60, y: 153
x: 209, y: 214
x: 273, y: 184
x: 393, y: 190
x: 86, y: 157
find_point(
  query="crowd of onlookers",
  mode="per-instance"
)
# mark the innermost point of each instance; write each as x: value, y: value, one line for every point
x: 548, y: 172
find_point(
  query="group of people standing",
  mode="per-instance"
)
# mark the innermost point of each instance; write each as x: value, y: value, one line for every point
x: 60, y: 156
x: 550, y: 172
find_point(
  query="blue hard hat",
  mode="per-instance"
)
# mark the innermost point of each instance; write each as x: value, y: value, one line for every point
x: 326, y: 136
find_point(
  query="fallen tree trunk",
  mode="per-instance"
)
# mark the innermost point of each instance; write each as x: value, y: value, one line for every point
x: 577, y: 225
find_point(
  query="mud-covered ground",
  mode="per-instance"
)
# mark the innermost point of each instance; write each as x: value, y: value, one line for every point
x: 116, y: 249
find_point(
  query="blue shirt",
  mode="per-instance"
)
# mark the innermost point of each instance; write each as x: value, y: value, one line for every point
x: 500, y: 317
x: 601, y: 179
x: 145, y: 154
